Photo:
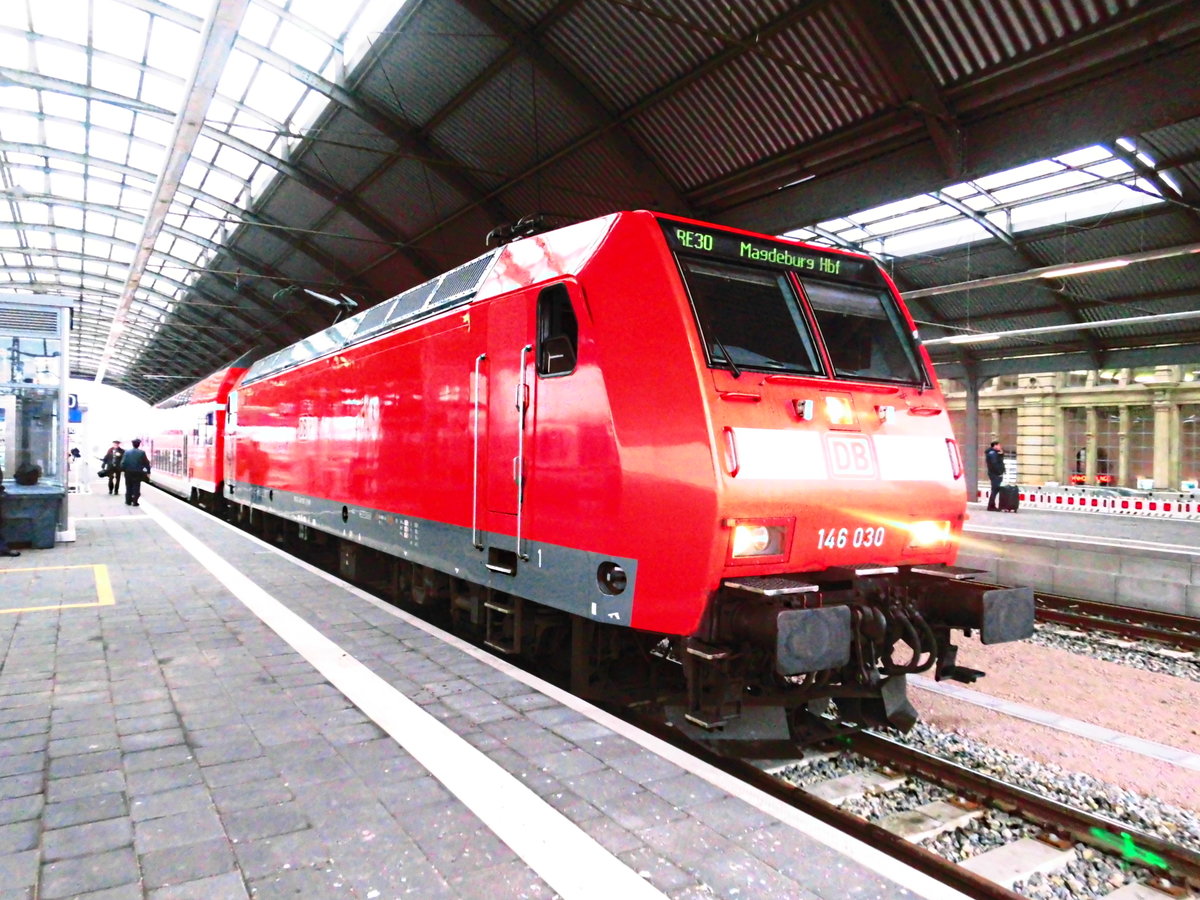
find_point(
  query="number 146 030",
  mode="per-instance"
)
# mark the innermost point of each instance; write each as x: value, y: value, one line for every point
x: 837, y: 538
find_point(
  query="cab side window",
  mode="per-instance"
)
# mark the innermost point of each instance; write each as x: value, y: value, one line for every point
x: 558, y: 332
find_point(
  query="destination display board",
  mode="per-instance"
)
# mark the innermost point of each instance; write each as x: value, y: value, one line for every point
x: 697, y: 240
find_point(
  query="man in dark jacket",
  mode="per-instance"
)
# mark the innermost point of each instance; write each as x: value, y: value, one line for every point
x: 994, y: 456
x: 136, y: 466
x: 112, y: 465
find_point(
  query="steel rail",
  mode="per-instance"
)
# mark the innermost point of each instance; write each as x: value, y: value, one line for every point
x: 880, y: 838
x: 1167, y: 859
x: 1127, y: 621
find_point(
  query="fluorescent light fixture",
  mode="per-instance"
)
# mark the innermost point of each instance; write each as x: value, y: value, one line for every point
x: 1085, y: 267
x: 1055, y: 329
x: 966, y: 339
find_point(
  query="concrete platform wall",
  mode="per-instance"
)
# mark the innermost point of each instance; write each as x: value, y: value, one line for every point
x: 1164, y: 580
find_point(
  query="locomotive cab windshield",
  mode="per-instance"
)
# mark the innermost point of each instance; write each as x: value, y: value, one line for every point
x: 770, y: 308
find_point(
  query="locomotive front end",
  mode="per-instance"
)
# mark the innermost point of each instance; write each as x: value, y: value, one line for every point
x: 840, y: 487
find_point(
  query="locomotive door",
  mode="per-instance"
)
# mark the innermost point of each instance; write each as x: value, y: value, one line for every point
x: 509, y: 392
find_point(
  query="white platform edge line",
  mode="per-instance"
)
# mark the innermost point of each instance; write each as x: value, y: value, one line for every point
x: 862, y: 853
x: 572, y: 862
x: 1118, y: 739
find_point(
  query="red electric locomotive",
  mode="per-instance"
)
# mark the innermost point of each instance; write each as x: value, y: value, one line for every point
x: 638, y: 442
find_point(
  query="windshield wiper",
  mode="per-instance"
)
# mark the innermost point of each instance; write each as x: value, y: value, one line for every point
x: 733, y: 367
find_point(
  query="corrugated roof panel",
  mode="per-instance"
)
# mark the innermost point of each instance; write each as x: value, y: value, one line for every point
x: 962, y: 38
x: 412, y: 196
x: 440, y: 51
x: 570, y: 190
x: 628, y: 54
x: 742, y: 114
x: 1162, y: 227
x: 521, y: 115
x: 347, y: 240
x: 526, y: 12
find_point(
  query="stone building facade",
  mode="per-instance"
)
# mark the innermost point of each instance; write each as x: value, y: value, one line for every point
x: 1128, y: 428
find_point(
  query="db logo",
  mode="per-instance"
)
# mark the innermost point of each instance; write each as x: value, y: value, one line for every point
x: 850, y: 456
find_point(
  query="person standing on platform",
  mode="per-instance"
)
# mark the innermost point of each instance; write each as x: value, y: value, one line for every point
x: 112, y: 465
x: 136, y: 466
x: 994, y: 457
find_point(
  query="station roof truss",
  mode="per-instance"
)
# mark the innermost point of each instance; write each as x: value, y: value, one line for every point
x: 207, y: 178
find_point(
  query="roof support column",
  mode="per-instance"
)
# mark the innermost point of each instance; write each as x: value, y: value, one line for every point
x: 970, y: 440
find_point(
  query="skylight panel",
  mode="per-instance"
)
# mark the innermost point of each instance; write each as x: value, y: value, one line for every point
x: 1021, y: 173
x: 68, y: 216
x: 1083, y: 157
x: 238, y: 164
x: 102, y: 192
x: 57, y: 61
x: 64, y: 107
x: 18, y: 128
x: 313, y: 104
x: 66, y: 186
x: 259, y: 23
x: 161, y: 91
x: 890, y: 210
x: 1061, y: 182
x: 1098, y: 201
x: 373, y: 18
x: 172, y: 48
x: 960, y: 191
x: 113, y: 118
x: 1113, y: 168
x: 221, y: 184
x: 14, y: 97
x: 69, y: 243
x: 108, y: 146
x: 33, y: 212
x: 274, y: 93
x: 120, y: 29
x: 153, y: 129
x: 329, y: 18
x: 239, y: 69
x: 148, y: 158
x: 100, y: 223
x: 65, y: 19
x: 300, y: 46
x: 115, y: 77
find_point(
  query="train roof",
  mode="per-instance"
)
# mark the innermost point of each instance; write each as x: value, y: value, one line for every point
x: 527, y: 261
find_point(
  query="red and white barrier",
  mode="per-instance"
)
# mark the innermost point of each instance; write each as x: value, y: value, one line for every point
x: 1170, y: 506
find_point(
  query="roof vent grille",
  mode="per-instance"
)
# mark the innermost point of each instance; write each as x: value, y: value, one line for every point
x: 29, y: 321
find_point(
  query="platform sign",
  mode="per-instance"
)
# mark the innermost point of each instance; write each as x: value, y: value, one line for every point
x: 74, y: 412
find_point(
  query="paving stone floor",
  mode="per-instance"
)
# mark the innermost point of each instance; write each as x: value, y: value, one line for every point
x: 170, y: 745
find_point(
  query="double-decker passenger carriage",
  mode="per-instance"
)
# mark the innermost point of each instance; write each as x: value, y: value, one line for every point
x: 186, y: 444
x: 641, y: 443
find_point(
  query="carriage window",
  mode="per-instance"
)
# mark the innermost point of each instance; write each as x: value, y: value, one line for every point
x: 558, y: 332
x: 749, y: 318
x: 863, y: 332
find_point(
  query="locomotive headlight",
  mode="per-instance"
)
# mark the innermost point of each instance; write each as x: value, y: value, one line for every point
x: 928, y: 535
x: 752, y: 539
x: 839, y: 410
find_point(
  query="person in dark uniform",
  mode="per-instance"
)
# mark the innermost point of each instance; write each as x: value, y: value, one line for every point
x: 994, y: 457
x: 136, y: 466
x: 112, y: 465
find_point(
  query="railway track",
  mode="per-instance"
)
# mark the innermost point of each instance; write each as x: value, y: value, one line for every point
x: 1173, y: 870
x: 1123, y: 621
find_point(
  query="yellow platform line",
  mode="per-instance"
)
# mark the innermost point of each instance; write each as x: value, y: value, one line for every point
x: 104, y: 593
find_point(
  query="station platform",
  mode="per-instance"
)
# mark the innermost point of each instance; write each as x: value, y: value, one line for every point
x: 1139, y: 561
x: 186, y: 712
